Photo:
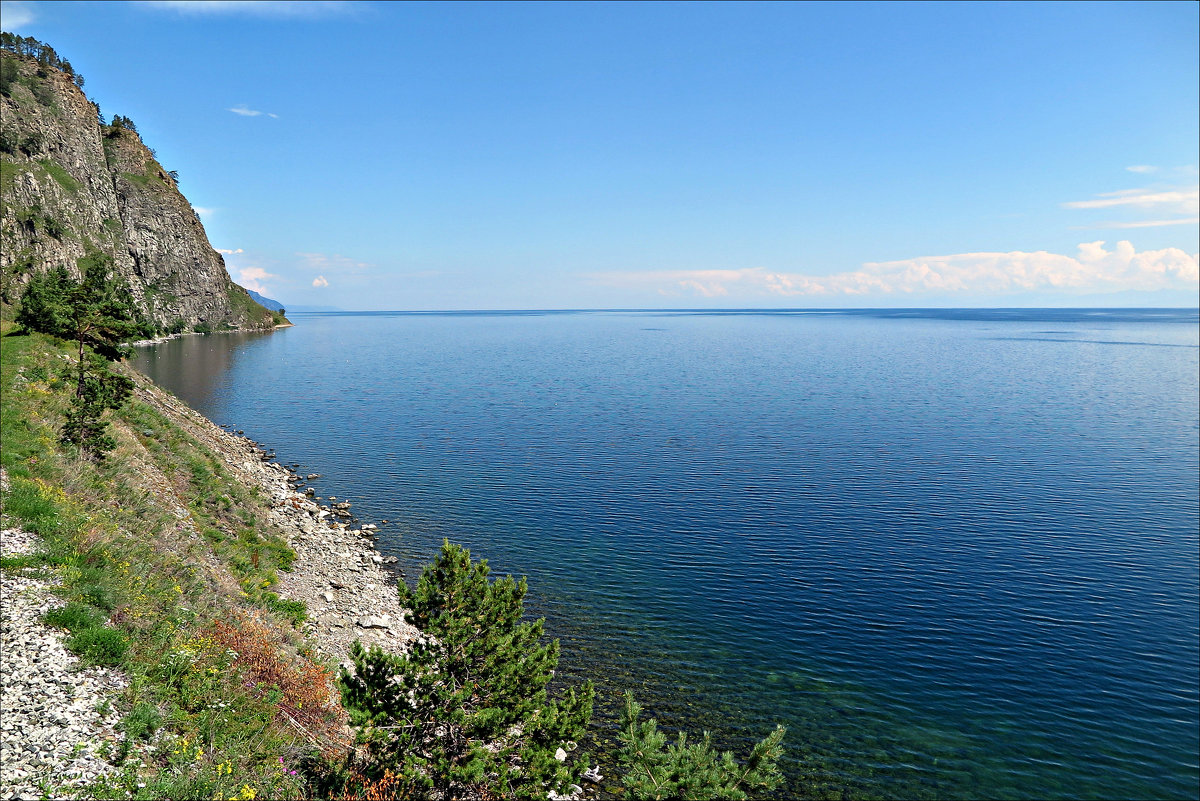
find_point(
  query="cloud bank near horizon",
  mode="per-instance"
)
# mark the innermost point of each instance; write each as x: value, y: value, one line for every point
x: 1092, y: 269
x: 255, y: 278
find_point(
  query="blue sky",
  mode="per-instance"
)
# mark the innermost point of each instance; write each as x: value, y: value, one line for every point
x: 633, y: 155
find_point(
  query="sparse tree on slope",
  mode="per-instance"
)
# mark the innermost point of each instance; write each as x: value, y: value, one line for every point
x: 97, y: 315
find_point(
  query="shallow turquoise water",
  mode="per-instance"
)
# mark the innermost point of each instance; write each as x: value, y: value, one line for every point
x: 955, y: 552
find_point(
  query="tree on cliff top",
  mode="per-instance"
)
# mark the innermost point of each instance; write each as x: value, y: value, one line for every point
x: 96, y: 314
x: 466, y: 713
x: 43, y: 53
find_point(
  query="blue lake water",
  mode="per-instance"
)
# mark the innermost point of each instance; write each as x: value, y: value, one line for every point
x: 955, y: 552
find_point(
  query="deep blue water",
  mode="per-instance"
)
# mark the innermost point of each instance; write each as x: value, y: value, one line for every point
x: 955, y: 551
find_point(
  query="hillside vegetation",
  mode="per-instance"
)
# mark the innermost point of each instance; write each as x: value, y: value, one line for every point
x: 167, y: 561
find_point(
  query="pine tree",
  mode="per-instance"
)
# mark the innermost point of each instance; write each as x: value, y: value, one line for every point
x: 655, y: 770
x: 466, y: 713
x: 97, y: 315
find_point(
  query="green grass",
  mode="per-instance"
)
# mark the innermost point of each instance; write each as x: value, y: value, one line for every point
x: 56, y: 172
x: 100, y: 646
x: 141, y: 179
x: 9, y: 171
x: 74, y: 617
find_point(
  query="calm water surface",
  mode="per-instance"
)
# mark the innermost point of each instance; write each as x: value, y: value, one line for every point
x: 955, y: 552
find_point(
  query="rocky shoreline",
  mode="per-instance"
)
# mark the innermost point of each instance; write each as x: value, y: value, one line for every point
x: 337, y: 573
x: 58, y: 718
x: 145, y: 343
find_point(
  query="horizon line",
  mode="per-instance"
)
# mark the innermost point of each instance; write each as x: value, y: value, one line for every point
x: 751, y: 309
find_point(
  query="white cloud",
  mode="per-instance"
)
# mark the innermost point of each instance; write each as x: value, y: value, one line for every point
x: 1179, y: 200
x: 229, y: 252
x: 205, y: 212
x: 242, y: 110
x: 320, y: 281
x: 1142, y: 168
x: 322, y: 262
x: 16, y: 15
x: 1092, y: 269
x: 259, y: 8
x: 1144, y: 223
x: 255, y: 278
x: 1159, y: 201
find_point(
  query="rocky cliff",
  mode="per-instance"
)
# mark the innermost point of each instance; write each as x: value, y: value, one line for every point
x: 71, y: 185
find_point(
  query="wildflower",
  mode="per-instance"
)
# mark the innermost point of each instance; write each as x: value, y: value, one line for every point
x: 179, y: 589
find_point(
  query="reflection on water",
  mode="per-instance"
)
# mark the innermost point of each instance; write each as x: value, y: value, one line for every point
x: 196, y: 368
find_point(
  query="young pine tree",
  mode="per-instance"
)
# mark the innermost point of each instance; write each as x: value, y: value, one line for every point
x: 466, y: 713
x: 97, y: 315
x: 655, y: 770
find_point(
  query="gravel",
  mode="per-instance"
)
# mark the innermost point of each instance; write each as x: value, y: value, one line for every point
x: 52, y: 733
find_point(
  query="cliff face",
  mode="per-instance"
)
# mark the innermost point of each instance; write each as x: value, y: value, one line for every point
x: 70, y: 186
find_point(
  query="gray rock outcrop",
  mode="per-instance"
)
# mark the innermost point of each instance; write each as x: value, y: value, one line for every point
x: 71, y: 186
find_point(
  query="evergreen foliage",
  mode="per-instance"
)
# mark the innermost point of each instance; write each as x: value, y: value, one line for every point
x: 656, y: 770
x: 466, y: 713
x: 43, y: 53
x: 96, y: 313
x: 120, y: 123
x: 8, y: 75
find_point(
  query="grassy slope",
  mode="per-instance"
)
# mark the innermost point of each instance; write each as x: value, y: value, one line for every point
x: 167, y: 564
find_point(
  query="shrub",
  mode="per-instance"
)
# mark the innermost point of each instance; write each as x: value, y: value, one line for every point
x: 73, y: 617
x: 295, y: 612
x: 100, y: 646
x: 141, y: 722
x: 98, y: 596
x: 300, y: 691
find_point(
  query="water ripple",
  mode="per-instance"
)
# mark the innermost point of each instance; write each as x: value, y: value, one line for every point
x: 956, y: 558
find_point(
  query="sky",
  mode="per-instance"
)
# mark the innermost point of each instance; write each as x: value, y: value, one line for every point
x: 422, y: 156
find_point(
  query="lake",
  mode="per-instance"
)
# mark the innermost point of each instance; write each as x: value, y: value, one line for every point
x: 954, y: 551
